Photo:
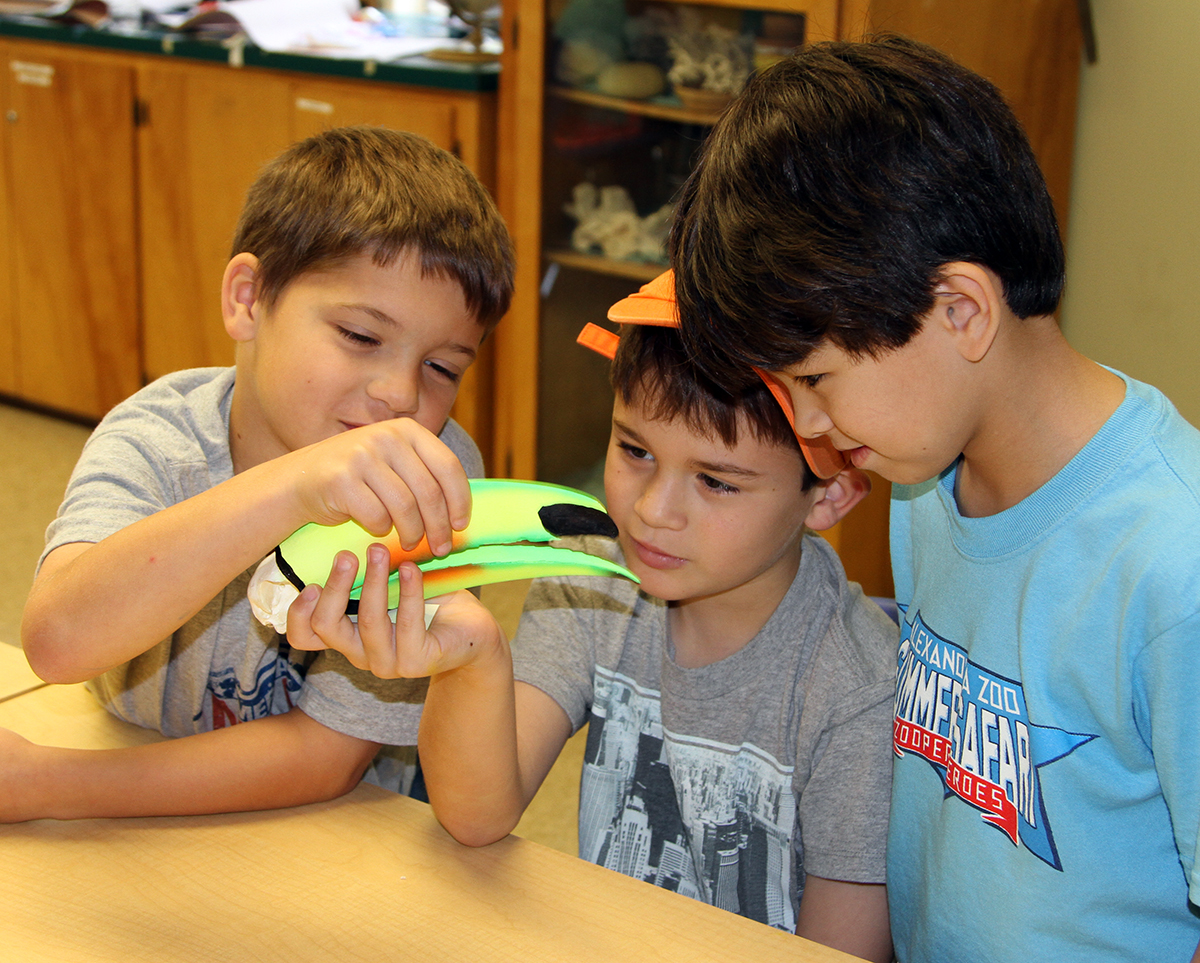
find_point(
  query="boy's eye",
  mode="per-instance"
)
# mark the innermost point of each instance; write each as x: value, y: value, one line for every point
x: 357, y: 337
x: 810, y: 381
x: 716, y: 485
x: 633, y: 451
x: 448, y: 373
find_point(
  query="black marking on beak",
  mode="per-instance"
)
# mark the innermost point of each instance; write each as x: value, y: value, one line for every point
x: 288, y: 572
x: 563, y: 520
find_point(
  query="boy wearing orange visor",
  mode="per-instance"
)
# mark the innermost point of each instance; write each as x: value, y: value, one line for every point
x: 738, y: 701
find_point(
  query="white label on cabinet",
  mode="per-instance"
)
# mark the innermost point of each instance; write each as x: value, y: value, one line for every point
x: 39, y: 75
x: 314, y: 106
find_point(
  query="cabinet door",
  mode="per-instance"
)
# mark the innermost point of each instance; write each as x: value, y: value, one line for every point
x: 8, y: 318
x: 206, y: 131
x: 519, y: 194
x: 1031, y: 51
x: 70, y: 159
x: 462, y: 123
x: 321, y: 104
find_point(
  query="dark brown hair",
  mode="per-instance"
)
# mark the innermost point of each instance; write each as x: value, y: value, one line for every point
x: 833, y: 190
x: 651, y: 370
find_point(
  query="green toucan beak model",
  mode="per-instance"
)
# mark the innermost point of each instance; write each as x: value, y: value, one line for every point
x: 511, y: 522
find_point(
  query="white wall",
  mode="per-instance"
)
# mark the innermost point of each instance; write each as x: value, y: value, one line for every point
x: 1133, y: 246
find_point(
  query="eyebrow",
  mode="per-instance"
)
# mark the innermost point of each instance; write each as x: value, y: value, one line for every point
x: 708, y: 467
x: 724, y: 468
x: 384, y: 318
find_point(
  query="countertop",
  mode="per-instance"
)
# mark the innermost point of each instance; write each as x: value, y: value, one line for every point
x: 421, y: 71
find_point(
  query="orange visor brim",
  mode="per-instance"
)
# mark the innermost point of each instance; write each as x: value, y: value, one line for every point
x: 654, y: 304
x: 823, y: 458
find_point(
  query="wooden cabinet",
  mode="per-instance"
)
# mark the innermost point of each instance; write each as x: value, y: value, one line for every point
x: 205, y: 131
x: 70, y: 296
x: 123, y: 176
x: 1030, y: 49
x: 8, y: 324
x: 552, y: 401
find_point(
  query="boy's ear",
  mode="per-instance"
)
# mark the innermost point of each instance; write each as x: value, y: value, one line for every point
x: 239, y: 295
x: 969, y: 306
x: 835, y: 497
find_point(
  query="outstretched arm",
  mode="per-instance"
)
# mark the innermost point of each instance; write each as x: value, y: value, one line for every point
x: 95, y: 606
x: 270, y: 763
x: 481, y: 779
x: 851, y: 917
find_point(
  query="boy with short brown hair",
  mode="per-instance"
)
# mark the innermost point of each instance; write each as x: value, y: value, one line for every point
x: 368, y: 266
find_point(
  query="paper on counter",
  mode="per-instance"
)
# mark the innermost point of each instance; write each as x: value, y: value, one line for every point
x: 324, y: 28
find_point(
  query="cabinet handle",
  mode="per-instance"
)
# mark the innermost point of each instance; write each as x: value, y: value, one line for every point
x: 11, y: 116
x: 36, y: 75
x: 314, y: 106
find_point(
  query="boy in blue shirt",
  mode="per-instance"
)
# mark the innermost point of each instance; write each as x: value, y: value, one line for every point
x: 367, y: 267
x: 869, y: 225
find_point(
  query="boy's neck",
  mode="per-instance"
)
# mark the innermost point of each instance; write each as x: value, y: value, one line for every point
x: 250, y: 440
x: 704, y: 631
x: 1044, y: 402
x: 242, y: 444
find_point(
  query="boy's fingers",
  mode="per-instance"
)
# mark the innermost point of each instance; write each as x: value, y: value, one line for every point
x: 452, y: 481
x: 328, y: 618
x: 375, y: 630
x: 436, y: 480
x: 410, y: 613
x: 418, y: 508
x: 299, y: 621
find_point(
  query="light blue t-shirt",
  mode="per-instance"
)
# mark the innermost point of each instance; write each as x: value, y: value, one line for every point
x: 1047, y: 731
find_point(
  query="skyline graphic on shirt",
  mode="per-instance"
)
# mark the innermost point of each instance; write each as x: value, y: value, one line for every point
x: 708, y: 820
x: 972, y: 726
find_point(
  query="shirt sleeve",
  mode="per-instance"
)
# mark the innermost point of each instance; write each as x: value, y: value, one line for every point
x: 844, y: 806
x: 455, y: 437
x: 844, y: 802
x: 1167, y: 713
x: 359, y: 704
x: 118, y: 480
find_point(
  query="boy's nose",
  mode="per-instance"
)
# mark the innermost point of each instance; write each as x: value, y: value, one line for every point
x: 658, y: 505
x: 399, y: 391
x: 810, y: 419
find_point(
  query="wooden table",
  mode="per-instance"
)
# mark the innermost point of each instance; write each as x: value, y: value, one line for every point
x: 15, y: 675
x: 369, y: 877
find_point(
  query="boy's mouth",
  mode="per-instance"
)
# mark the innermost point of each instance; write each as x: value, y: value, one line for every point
x: 653, y: 558
x: 856, y: 456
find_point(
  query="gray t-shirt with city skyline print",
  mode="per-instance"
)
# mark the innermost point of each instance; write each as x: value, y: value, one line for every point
x: 727, y: 783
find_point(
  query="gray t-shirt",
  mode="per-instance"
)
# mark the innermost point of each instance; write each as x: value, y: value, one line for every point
x: 729, y: 782
x: 169, y: 442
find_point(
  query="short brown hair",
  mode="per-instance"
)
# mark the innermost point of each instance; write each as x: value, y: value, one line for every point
x: 355, y: 190
x: 651, y: 369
